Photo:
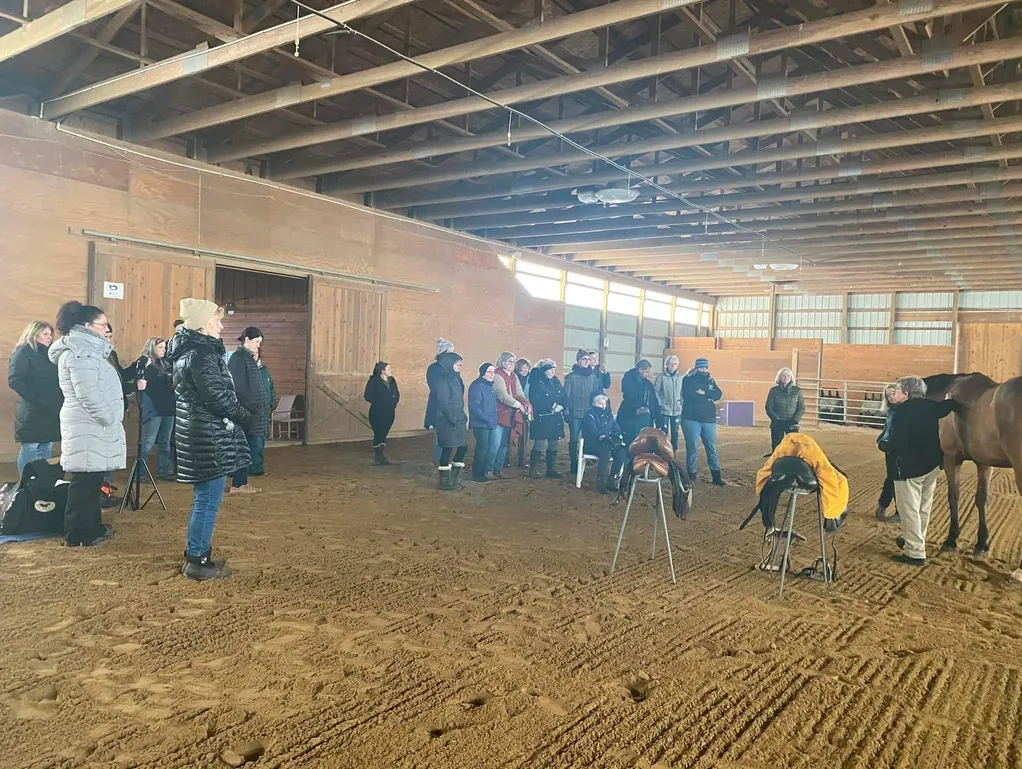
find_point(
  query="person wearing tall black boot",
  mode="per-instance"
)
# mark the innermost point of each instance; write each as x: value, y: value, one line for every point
x: 548, y: 399
x: 446, y: 412
x: 382, y: 395
x: 209, y: 428
x: 91, y: 429
x: 602, y: 438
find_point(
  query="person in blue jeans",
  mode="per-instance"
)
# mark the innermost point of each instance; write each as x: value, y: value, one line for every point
x: 209, y: 428
x: 157, y: 407
x: 33, y: 376
x: 699, y: 396
x: 482, y: 421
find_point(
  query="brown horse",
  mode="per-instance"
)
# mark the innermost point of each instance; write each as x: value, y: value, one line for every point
x: 988, y: 433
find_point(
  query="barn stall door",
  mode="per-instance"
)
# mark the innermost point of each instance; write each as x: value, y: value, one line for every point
x: 154, y: 283
x: 346, y: 339
x: 994, y: 349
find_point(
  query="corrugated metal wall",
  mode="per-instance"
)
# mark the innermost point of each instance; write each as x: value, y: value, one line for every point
x: 869, y: 318
x: 809, y: 317
x: 990, y: 300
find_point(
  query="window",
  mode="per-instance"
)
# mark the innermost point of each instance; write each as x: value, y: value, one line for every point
x: 541, y: 288
x: 585, y: 280
x: 657, y: 310
x: 537, y: 269
x: 583, y: 296
x: 626, y: 305
x: 687, y: 315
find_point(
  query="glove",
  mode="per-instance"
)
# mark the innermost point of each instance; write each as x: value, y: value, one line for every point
x: 558, y: 408
x: 641, y: 411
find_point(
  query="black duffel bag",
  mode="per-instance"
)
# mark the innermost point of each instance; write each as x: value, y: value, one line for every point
x: 38, y: 506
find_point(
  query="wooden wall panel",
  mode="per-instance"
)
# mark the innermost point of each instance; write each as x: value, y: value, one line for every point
x: 994, y: 349
x: 884, y: 363
x: 65, y: 184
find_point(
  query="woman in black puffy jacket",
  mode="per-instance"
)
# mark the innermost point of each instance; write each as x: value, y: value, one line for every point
x: 209, y: 426
x: 548, y: 399
x: 382, y: 395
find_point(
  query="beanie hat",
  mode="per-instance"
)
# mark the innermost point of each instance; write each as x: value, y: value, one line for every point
x: 250, y: 332
x: 442, y: 346
x: 196, y: 313
x: 702, y: 363
x: 482, y: 368
x: 580, y: 355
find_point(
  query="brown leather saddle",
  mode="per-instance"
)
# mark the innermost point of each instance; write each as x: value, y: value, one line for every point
x: 652, y: 449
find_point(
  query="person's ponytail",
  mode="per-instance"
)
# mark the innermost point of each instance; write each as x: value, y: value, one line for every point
x: 75, y: 313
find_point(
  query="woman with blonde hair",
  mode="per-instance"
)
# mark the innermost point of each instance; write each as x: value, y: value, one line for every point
x: 157, y: 406
x: 785, y: 406
x: 887, y: 408
x: 34, y: 378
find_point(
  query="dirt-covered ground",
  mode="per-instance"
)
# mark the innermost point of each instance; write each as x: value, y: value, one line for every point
x: 375, y: 622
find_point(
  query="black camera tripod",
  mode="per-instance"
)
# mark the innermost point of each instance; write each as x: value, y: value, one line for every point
x: 133, y: 494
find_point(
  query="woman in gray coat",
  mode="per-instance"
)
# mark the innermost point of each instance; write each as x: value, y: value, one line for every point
x: 92, y: 436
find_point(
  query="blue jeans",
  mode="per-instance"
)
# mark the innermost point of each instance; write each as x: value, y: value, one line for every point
x: 30, y: 452
x: 574, y: 428
x: 671, y: 426
x: 485, y: 453
x: 156, y: 431
x: 255, y: 445
x: 501, y: 442
x: 693, y: 432
x: 206, y: 501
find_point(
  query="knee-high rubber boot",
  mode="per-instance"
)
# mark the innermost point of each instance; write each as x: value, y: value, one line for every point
x: 534, y: 458
x: 551, y: 465
x: 444, y: 482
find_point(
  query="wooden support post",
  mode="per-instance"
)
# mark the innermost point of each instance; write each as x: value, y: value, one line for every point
x: 641, y: 319
x: 844, y: 318
x: 890, y: 318
x: 954, y: 328
x: 772, y: 319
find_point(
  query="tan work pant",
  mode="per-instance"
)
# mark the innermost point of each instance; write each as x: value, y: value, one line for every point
x: 915, y: 500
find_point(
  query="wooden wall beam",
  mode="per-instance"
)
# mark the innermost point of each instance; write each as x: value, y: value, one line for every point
x: 727, y: 133
x: 58, y: 22
x: 195, y: 62
x: 551, y: 29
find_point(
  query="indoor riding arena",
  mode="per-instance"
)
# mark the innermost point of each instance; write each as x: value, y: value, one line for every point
x: 511, y: 384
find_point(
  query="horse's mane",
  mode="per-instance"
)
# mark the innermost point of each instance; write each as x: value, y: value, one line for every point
x: 938, y: 385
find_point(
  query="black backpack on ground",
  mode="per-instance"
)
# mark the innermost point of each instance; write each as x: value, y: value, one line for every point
x: 39, y: 503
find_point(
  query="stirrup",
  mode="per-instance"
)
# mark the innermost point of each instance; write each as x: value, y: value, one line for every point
x: 816, y: 571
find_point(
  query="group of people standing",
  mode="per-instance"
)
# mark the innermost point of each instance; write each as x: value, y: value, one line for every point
x: 512, y: 400
x: 207, y: 415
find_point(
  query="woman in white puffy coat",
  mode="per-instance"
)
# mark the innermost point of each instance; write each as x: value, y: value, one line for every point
x: 91, y: 429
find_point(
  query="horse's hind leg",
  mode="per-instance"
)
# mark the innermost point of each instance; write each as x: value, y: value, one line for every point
x: 982, y: 488
x: 952, y: 468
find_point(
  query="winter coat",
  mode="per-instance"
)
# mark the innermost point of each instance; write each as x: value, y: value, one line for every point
x: 158, y: 395
x: 248, y: 384
x: 668, y: 392
x: 434, y: 373
x: 91, y: 434
x: 580, y: 387
x: 524, y: 382
x: 448, y: 418
x: 547, y: 424
x: 597, y: 423
x: 209, y: 421
x: 508, y: 389
x: 884, y: 439
x: 34, y: 378
x: 914, y: 438
x: 785, y: 403
x: 381, y: 396
x: 482, y: 405
x: 833, y: 484
x: 128, y: 375
x: 637, y: 393
x: 268, y: 387
x: 696, y: 406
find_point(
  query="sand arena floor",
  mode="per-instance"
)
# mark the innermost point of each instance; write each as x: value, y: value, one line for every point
x: 373, y: 622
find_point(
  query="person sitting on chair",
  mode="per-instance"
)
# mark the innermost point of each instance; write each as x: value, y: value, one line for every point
x: 601, y: 437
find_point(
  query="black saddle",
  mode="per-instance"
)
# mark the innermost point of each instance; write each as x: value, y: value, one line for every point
x: 793, y: 472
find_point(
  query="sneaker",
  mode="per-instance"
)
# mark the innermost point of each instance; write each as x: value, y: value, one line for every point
x: 218, y: 562
x: 908, y: 561
x: 246, y: 489
x: 202, y: 569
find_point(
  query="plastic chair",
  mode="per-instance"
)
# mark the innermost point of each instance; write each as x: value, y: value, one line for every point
x: 284, y: 416
x: 582, y: 459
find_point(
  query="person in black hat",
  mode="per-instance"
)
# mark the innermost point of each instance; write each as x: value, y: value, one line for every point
x: 248, y: 384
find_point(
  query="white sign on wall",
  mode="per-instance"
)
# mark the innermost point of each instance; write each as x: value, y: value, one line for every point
x: 113, y: 290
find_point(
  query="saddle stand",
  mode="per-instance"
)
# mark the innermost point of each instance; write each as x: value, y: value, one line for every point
x: 659, y: 512
x: 779, y: 556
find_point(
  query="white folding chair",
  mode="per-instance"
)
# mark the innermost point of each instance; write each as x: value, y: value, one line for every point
x: 284, y: 416
x: 582, y: 459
